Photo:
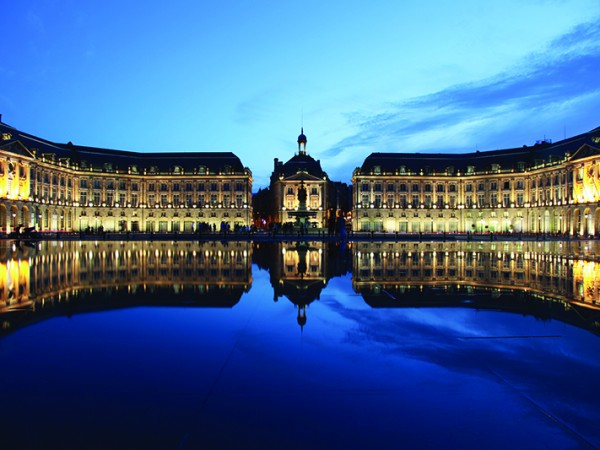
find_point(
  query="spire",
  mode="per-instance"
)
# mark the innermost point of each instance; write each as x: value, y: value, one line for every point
x: 302, y: 142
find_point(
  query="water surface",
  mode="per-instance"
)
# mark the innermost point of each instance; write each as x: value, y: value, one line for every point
x: 184, y: 345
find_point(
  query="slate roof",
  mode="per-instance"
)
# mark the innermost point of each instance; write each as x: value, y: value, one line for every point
x: 576, y: 147
x: 301, y: 163
x: 163, y: 162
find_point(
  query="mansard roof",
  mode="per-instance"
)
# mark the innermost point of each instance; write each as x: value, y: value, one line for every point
x: 298, y: 164
x: 304, y: 163
x: 516, y: 159
x: 159, y: 162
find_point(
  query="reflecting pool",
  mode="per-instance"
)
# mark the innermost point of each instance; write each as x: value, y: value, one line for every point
x: 185, y: 345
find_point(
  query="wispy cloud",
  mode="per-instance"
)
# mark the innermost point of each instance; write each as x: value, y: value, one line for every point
x: 474, y: 115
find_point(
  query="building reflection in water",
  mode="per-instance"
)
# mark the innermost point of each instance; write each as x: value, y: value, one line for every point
x: 53, y: 277
x: 547, y: 279
x: 299, y: 271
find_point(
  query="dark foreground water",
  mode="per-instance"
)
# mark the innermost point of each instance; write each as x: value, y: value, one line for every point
x: 289, y: 346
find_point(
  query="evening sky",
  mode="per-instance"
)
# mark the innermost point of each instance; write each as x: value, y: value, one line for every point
x: 245, y: 76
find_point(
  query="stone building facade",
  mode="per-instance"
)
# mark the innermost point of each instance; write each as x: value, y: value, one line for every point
x: 545, y: 188
x: 66, y: 187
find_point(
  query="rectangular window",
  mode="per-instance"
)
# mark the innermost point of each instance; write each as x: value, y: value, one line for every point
x: 520, y: 199
x: 377, y: 200
x: 365, y: 200
x: 439, y: 201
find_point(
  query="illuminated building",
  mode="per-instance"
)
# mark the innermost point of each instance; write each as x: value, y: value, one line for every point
x: 67, y: 187
x: 301, y: 173
x: 545, y: 188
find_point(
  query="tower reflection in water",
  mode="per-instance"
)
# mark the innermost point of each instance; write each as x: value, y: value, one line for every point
x: 547, y: 279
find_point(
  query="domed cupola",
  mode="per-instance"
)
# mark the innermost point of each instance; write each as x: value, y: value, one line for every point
x: 302, y: 142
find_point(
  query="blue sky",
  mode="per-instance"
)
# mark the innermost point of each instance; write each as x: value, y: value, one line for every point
x: 243, y: 76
